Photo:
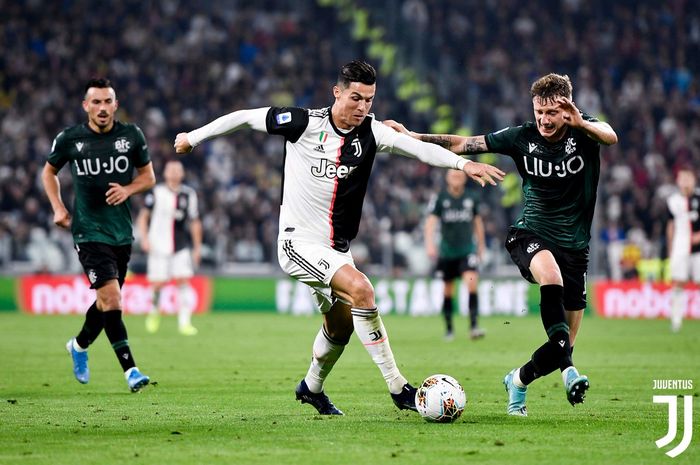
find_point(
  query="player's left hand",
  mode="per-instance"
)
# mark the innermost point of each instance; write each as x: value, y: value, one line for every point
x: 483, y: 173
x: 116, y: 194
x: 572, y: 115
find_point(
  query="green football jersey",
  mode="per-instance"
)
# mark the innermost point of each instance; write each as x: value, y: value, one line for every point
x: 456, y: 216
x: 560, y: 181
x: 95, y: 161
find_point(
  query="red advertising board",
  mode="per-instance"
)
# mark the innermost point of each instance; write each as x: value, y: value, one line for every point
x: 635, y: 299
x: 71, y: 294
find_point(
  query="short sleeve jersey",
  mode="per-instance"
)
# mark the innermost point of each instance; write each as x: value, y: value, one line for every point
x: 95, y: 161
x: 456, y: 215
x: 171, y: 214
x: 326, y: 172
x: 560, y: 181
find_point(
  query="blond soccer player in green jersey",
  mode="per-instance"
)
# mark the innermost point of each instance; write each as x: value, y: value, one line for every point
x: 558, y: 158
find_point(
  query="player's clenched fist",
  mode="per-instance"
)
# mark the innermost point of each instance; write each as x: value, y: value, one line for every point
x: 182, y: 144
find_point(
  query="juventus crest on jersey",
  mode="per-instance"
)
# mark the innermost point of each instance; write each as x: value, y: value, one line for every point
x: 326, y: 172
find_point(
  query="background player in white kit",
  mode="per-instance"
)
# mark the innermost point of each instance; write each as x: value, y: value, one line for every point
x: 171, y: 235
x: 328, y: 159
x: 683, y: 235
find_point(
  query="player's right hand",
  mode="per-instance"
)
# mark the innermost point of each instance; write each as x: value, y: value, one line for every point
x: 182, y: 145
x: 62, y: 219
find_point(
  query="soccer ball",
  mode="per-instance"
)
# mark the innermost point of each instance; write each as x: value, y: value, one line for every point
x: 440, y: 399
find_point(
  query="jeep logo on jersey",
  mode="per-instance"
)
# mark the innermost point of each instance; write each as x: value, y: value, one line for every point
x: 545, y: 169
x: 122, y: 145
x: 93, y: 167
x: 330, y: 170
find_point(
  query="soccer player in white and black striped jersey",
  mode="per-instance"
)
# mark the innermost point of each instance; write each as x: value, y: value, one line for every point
x: 683, y: 236
x: 171, y: 234
x: 328, y: 159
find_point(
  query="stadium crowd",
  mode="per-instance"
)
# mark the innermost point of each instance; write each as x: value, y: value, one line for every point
x: 176, y: 65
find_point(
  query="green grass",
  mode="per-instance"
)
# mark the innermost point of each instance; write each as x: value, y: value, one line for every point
x: 226, y: 395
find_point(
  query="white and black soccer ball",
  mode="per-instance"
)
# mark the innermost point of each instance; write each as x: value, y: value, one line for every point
x: 440, y: 399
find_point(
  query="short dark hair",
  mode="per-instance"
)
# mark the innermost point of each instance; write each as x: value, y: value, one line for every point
x: 100, y: 83
x: 357, y: 71
x: 551, y: 86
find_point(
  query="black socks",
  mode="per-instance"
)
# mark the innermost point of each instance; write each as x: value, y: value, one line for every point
x: 447, y: 312
x: 473, y: 310
x: 116, y: 332
x: 92, y: 327
x: 556, y: 352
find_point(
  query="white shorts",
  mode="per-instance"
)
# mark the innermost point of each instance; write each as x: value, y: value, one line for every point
x: 684, y: 267
x: 314, y: 265
x: 164, y: 267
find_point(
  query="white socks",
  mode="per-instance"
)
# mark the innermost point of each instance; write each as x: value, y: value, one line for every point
x: 76, y: 347
x: 678, y: 304
x: 325, y: 353
x: 370, y: 330
x: 184, y: 313
x: 565, y: 373
x: 516, y: 379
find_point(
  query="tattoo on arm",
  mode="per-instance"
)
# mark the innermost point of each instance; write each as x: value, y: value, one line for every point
x: 473, y: 145
x: 442, y: 141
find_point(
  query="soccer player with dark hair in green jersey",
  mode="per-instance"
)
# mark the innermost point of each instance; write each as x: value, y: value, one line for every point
x: 102, y: 154
x: 456, y: 209
x: 558, y: 158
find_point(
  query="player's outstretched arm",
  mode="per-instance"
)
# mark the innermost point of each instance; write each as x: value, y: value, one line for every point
x: 460, y: 145
x: 437, y: 156
x: 254, y: 119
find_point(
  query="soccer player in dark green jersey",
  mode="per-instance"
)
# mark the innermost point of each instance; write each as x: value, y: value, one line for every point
x: 456, y: 210
x: 103, y: 154
x: 558, y: 157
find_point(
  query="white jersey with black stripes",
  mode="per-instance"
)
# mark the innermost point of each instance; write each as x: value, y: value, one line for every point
x: 326, y: 169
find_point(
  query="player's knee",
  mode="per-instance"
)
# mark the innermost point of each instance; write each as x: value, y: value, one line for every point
x: 361, y: 292
x: 550, y: 277
x: 109, y: 301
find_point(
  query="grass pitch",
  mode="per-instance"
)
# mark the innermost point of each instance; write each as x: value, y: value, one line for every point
x: 227, y: 395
